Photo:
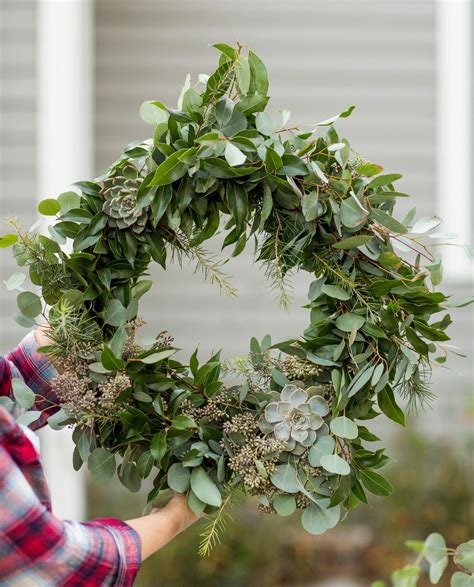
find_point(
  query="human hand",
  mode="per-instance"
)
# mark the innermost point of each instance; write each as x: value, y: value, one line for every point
x: 163, y: 524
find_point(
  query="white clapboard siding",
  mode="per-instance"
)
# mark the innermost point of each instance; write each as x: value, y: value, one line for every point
x: 17, y: 139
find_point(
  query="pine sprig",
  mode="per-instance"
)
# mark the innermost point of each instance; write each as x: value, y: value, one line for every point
x: 205, y: 263
x: 217, y: 524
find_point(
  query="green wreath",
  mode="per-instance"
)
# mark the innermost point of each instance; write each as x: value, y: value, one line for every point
x: 292, y: 429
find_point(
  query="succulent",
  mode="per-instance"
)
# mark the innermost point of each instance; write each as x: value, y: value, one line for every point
x: 121, y: 204
x: 295, y: 417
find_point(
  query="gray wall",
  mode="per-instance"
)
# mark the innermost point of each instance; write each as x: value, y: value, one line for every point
x: 17, y: 139
x: 322, y: 57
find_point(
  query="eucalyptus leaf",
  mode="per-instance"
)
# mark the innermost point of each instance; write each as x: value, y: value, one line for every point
x: 22, y: 393
x: 344, y: 428
x: 179, y: 478
x: 335, y: 464
x: 204, y: 488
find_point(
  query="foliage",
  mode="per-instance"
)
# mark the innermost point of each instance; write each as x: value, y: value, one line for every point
x: 220, y: 164
x: 434, y: 552
x: 433, y: 492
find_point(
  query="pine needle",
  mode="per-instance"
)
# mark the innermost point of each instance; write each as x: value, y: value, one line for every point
x: 216, y: 526
x: 205, y: 263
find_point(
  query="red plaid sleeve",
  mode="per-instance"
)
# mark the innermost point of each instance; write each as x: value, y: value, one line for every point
x: 25, y: 362
x: 38, y: 549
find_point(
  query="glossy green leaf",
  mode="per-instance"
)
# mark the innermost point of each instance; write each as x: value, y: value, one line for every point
x: 375, y: 483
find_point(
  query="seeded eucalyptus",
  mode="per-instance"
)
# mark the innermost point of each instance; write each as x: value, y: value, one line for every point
x: 290, y: 427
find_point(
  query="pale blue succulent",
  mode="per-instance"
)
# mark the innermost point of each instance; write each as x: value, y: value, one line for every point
x: 294, y: 418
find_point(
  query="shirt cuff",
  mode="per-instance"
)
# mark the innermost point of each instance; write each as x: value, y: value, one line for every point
x: 129, y: 546
x: 37, y: 372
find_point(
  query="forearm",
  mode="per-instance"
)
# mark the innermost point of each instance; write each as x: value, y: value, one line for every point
x: 161, y: 526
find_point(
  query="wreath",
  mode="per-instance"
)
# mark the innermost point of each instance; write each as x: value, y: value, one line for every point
x: 287, y: 423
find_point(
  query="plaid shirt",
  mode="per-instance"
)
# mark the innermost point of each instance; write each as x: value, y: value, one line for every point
x: 37, y: 549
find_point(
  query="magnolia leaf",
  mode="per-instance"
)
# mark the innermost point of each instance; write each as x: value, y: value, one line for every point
x: 158, y: 447
x: 389, y: 407
x: 375, y: 483
x: 145, y: 464
x: 172, y: 168
x: 110, y: 361
x: 242, y: 73
x: 258, y: 75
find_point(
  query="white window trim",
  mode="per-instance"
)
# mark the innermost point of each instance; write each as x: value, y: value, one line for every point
x: 454, y: 132
x: 64, y: 154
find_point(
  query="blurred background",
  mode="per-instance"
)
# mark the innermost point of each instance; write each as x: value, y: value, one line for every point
x: 73, y: 74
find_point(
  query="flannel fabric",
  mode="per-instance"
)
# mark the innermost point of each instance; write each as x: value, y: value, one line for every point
x: 37, y: 549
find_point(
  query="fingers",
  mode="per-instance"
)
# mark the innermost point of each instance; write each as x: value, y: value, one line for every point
x: 180, y: 511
